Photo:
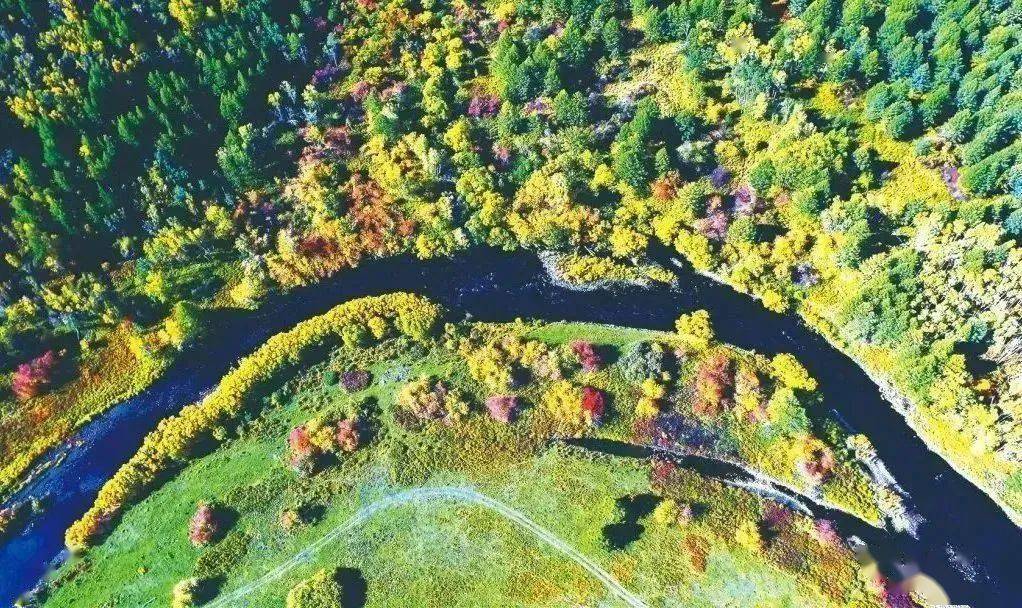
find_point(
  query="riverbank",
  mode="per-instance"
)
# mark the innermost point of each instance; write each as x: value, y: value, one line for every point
x: 36, y: 427
x: 502, y: 288
x: 897, y: 512
x: 901, y: 404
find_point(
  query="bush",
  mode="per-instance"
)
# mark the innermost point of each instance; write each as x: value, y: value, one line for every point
x: 695, y: 327
x: 594, y: 405
x: 355, y: 380
x: 587, y: 355
x: 714, y: 382
x: 203, y: 526
x: 321, y: 590
x: 303, y: 453
x: 788, y: 371
x: 347, y: 436
x: 184, y: 326
x: 34, y: 377
x: 216, y: 561
x: 503, y: 408
x: 183, y: 593
x: 642, y: 360
x: 426, y: 399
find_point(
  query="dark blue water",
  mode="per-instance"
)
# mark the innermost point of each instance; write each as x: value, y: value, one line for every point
x: 497, y: 287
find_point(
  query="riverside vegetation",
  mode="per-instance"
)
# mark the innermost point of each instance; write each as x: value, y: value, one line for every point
x: 379, y: 396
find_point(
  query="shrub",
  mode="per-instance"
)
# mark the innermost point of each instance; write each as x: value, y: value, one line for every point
x: 347, y: 436
x: 713, y: 383
x: 788, y: 371
x: 587, y: 355
x: 426, y: 399
x: 648, y: 404
x: 666, y: 513
x: 561, y: 399
x: 695, y: 327
x: 183, y: 593
x: 826, y: 533
x: 34, y: 377
x: 814, y: 460
x: 594, y: 405
x: 749, y: 536
x: 184, y: 325
x: 203, y: 526
x: 503, y: 408
x: 355, y: 380
x: 299, y: 442
x: 303, y: 452
x: 642, y: 360
x: 321, y: 590
x: 216, y: 561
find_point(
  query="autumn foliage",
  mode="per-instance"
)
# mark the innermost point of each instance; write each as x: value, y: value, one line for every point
x: 713, y: 384
x: 34, y: 377
x: 503, y: 408
x: 594, y: 405
x: 587, y: 355
x: 203, y: 526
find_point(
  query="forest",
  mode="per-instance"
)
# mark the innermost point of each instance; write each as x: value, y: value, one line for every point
x: 858, y: 163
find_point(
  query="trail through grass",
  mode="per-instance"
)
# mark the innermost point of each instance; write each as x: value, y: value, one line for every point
x: 458, y: 494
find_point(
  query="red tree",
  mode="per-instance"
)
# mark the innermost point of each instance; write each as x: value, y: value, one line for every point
x: 587, y: 355
x: 714, y: 382
x: 34, y: 377
x: 203, y: 526
x: 347, y: 436
x: 503, y: 408
x: 594, y: 403
x: 298, y: 441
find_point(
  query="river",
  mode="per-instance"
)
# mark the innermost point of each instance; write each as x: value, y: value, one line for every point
x: 966, y: 542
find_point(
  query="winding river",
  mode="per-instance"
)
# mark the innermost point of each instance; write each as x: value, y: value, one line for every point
x: 966, y: 542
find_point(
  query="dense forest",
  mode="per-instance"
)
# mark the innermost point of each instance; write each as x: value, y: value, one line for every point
x: 856, y: 162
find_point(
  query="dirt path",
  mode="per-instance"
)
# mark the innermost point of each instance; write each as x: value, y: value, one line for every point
x: 449, y: 493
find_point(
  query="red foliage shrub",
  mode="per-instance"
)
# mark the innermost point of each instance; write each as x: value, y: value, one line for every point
x: 503, y: 408
x: 481, y: 105
x: 375, y: 215
x: 715, y: 380
x: 643, y: 429
x: 203, y: 526
x: 347, y: 436
x: 587, y: 355
x: 665, y: 188
x: 661, y: 472
x: 825, y: 532
x: 317, y: 246
x: 32, y: 378
x: 713, y: 226
x: 698, y: 551
x: 339, y: 140
x: 298, y: 441
x: 594, y: 404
